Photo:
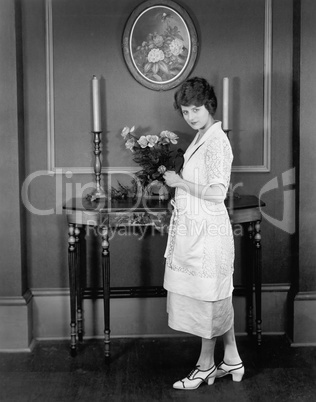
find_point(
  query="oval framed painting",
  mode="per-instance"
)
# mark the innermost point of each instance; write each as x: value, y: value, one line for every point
x: 160, y: 44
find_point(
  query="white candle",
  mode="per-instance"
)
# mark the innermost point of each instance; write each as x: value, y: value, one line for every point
x: 96, y: 105
x: 225, y: 103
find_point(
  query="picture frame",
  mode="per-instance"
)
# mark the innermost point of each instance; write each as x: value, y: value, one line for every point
x: 160, y: 44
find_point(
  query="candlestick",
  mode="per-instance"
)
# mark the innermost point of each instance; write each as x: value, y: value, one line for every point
x: 96, y: 124
x: 98, y: 192
x: 225, y: 103
x: 96, y: 105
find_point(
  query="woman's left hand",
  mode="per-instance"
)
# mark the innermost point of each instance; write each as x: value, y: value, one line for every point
x: 172, y: 179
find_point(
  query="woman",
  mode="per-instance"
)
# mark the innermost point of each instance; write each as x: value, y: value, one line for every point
x: 200, y: 250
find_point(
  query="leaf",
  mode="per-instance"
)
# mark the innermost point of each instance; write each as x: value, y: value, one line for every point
x: 155, y: 68
x: 177, y: 35
x: 176, y: 66
x: 163, y: 67
x: 157, y: 77
x: 147, y: 67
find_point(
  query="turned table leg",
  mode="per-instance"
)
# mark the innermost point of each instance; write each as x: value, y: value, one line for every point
x: 72, y: 285
x: 258, y: 267
x: 78, y: 284
x: 106, y: 287
x: 249, y: 278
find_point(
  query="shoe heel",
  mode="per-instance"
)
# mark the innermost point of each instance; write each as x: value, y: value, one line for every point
x: 237, y: 377
x: 210, y: 380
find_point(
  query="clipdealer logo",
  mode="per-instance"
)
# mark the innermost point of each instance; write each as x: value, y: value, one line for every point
x: 64, y: 190
x: 287, y: 223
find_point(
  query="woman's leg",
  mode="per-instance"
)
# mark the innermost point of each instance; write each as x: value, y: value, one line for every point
x: 206, y: 370
x: 231, y: 355
x: 231, y: 364
x: 206, y: 359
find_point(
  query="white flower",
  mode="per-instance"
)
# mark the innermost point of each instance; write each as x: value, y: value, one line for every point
x: 152, y: 140
x: 176, y: 47
x: 130, y: 143
x: 155, y: 55
x: 170, y: 136
x: 143, y: 141
x: 126, y: 130
x: 162, y: 169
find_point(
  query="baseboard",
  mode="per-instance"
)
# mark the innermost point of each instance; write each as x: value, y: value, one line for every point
x: 304, y: 333
x: 16, y: 320
x: 20, y: 349
x: 141, y: 317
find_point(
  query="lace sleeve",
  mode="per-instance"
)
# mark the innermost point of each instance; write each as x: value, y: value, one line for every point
x: 218, y: 161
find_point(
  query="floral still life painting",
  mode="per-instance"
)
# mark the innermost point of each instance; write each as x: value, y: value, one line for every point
x: 160, y: 45
x: 162, y: 56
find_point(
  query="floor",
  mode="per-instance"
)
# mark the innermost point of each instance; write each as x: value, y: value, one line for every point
x: 144, y: 370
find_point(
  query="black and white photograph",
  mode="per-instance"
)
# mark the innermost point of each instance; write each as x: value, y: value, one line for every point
x: 157, y: 212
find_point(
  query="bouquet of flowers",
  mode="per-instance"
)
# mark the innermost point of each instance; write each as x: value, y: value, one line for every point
x: 151, y: 152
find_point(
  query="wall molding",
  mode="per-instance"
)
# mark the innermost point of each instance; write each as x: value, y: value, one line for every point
x: 16, y: 300
x: 51, y: 151
x: 267, y: 101
x: 306, y: 296
x: 304, y: 333
x: 149, y: 291
x: 16, y: 318
x: 132, y: 316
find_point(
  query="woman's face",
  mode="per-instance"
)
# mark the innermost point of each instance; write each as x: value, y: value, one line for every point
x: 197, y: 117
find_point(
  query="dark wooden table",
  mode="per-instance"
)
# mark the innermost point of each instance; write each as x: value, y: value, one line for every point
x: 105, y: 214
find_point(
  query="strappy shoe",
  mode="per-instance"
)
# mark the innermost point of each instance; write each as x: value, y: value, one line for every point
x: 236, y: 370
x: 196, y: 377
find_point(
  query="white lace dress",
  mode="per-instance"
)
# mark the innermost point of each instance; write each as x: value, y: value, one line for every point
x: 200, y: 249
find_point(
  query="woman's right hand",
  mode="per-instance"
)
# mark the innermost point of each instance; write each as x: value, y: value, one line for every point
x: 172, y: 179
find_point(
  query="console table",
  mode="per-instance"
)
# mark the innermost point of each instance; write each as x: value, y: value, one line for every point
x: 104, y: 214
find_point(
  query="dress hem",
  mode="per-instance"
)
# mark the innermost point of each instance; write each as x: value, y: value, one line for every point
x: 196, y: 333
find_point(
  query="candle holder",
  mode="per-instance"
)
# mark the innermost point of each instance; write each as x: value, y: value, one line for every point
x: 98, y: 192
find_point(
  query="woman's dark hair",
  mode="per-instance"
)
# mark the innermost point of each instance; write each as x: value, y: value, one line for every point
x: 198, y: 92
